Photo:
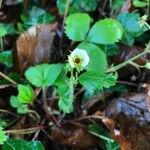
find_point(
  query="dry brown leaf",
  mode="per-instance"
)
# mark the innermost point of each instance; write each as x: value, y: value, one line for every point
x: 129, y: 120
x: 74, y: 135
x: 129, y: 134
x: 34, y: 46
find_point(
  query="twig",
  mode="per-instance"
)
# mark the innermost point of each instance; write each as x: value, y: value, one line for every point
x: 6, y: 111
x: 37, y: 133
x: 25, y: 131
x: 91, y: 117
x: 79, y: 92
x: 127, y: 83
x: 1, y: 3
x: 7, y: 78
x: 46, y: 108
x: 117, y: 67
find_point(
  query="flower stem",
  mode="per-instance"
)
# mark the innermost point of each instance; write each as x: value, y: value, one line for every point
x: 117, y: 67
x: 71, y: 86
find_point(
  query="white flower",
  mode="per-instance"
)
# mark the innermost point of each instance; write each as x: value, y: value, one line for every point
x: 78, y: 58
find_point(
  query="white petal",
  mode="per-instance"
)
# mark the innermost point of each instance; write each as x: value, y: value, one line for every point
x: 81, y: 53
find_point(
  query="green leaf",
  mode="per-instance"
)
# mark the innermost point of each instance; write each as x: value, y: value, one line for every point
x: 35, y: 16
x: 98, y: 60
x: 118, y: 3
x: 43, y: 74
x: 3, y: 30
x: 36, y: 12
x: 45, y: 18
x: 25, y: 94
x: 130, y: 22
x: 22, y: 109
x: 19, y: 144
x: 3, y: 136
x: 95, y: 81
x: 66, y: 105
x: 3, y: 123
x: 65, y: 102
x: 138, y: 3
x: 6, y: 29
x: 77, y: 26
x: 77, y: 6
x: 62, y: 84
x: 14, y: 102
x: 10, y: 29
x: 6, y: 58
x: 61, y: 5
x: 106, y: 31
x: 86, y: 5
x: 19, y: 1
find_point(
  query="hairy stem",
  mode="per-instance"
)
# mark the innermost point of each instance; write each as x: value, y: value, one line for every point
x: 115, y: 68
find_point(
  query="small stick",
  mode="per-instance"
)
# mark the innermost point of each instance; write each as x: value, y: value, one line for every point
x: 25, y: 131
x: 7, y: 78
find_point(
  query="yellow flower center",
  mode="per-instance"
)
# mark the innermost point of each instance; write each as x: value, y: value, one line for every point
x: 77, y: 60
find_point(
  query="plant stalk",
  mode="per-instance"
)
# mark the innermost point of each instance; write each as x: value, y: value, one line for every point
x: 24, y: 131
x: 1, y: 44
x: 7, y: 78
x: 117, y: 67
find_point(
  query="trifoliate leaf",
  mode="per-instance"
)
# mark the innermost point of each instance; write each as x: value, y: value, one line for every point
x: 19, y: 144
x: 94, y: 80
x: 43, y: 74
x: 77, y: 26
x: 6, y: 58
x: 3, y: 136
x: 25, y: 94
x: 14, y: 102
x: 106, y: 31
x: 98, y: 61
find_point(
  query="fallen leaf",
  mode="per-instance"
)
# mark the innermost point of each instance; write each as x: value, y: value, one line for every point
x: 34, y: 46
x: 74, y: 135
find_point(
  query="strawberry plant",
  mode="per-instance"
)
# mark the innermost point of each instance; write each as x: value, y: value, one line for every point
x: 74, y: 74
